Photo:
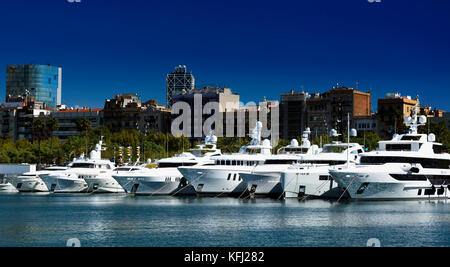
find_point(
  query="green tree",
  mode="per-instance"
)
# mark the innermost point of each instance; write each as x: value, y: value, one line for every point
x: 38, y: 132
x: 84, y: 125
x: 52, y: 125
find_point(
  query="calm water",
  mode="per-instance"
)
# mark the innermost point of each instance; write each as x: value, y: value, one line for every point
x: 108, y: 220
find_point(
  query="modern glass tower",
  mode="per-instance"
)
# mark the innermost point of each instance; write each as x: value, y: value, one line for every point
x: 43, y: 82
x: 177, y: 82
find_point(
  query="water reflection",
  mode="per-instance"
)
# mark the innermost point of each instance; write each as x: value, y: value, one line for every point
x: 121, y: 220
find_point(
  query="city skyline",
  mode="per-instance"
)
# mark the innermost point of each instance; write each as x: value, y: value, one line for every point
x: 108, y: 47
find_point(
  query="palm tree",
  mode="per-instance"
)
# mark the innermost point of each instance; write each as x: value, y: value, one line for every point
x: 52, y: 125
x: 84, y: 125
x: 38, y: 131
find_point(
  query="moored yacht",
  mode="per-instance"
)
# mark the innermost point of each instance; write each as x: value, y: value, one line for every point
x: 29, y: 182
x: 91, y: 174
x: 410, y: 166
x: 310, y: 177
x: 265, y: 179
x: 165, y: 179
x: 7, y: 187
x: 222, y: 177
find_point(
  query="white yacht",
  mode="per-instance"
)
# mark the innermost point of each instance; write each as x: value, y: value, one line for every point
x: 165, y: 179
x: 7, y: 187
x: 91, y: 174
x: 29, y: 182
x: 266, y: 179
x: 310, y: 177
x: 9, y: 171
x: 410, y: 166
x: 222, y: 177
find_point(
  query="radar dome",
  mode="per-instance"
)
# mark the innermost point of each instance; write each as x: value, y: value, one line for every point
x: 422, y: 119
x: 431, y: 138
x: 333, y: 133
x: 266, y: 142
x: 408, y: 119
x: 213, y: 139
x: 353, y: 133
x: 294, y: 143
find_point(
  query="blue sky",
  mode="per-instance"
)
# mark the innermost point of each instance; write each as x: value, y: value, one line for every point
x: 258, y: 48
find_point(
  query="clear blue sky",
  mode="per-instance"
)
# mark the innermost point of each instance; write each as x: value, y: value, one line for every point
x: 258, y: 48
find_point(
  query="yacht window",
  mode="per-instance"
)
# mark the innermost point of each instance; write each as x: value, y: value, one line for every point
x: 360, y: 151
x: 295, y: 150
x: 411, y: 138
x: 233, y: 162
x: 175, y: 164
x: 324, y: 177
x: 234, y: 177
x: 83, y: 165
x: 228, y: 163
x: 326, y: 162
x: 280, y: 161
x: 229, y: 176
x: 252, y: 151
x: 438, y: 149
x: 334, y: 149
x: 425, y: 162
x: 398, y: 147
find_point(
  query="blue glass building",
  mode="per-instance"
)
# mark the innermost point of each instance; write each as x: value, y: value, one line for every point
x: 43, y: 82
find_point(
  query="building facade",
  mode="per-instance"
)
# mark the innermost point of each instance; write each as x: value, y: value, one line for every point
x: 227, y: 102
x: 392, y: 111
x: 293, y: 116
x: 18, y: 115
x: 122, y: 112
x: 178, y: 82
x: 154, y: 117
x: 42, y: 82
x: 68, y: 118
x: 329, y: 110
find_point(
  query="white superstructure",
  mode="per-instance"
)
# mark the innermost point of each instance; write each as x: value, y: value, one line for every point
x: 310, y: 176
x: 410, y: 166
x: 265, y: 179
x: 165, y: 179
x: 222, y: 177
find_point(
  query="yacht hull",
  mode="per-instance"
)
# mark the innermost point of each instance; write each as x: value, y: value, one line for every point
x: 312, y: 182
x: 8, y: 188
x: 216, y: 182
x: 263, y: 184
x: 103, y: 185
x: 154, y: 184
x: 29, y: 185
x: 66, y: 185
x: 373, y: 184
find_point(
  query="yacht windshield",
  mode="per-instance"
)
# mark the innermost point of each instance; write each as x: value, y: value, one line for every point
x: 126, y: 169
x: 410, y: 138
x: 83, y: 165
x: 280, y: 161
x: 174, y: 164
x: 252, y: 151
x: 334, y: 149
x: 295, y: 150
x: 425, y: 162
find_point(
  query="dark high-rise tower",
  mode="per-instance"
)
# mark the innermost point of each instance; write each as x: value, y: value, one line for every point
x: 178, y: 82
